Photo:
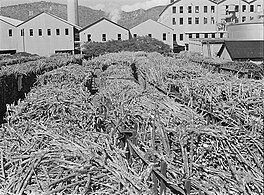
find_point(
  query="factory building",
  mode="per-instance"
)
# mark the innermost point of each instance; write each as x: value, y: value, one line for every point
x: 104, y: 30
x: 206, y: 19
x: 155, y: 30
x: 8, y: 34
x: 46, y: 34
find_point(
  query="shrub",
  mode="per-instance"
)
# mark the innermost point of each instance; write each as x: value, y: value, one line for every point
x: 147, y: 44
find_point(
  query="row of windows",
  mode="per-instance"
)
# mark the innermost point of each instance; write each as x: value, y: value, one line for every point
x: 104, y: 38
x: 190, y: 9
x: 244, y: 8
x: 164, y: 36
x: 196, y: 20
x: 197, y: 9
x: 197, y: 35
x: 49, y: 32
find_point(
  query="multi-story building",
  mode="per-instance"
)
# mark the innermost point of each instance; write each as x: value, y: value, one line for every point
x: 237, y: 11
x: 206, y: 19
x: 191, y: 19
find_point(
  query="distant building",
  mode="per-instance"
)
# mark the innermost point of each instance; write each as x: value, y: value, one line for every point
x: 206, y: 18
x: 46, y: 34
x: 103, y: 30
x: 192, y: 19
x: 8, y: 34
x: 155, y: 30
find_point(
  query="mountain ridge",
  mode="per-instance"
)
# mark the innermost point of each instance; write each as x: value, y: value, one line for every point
x: 87, y: 15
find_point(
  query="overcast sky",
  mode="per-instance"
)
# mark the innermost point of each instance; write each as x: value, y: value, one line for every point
x: 125, y: 5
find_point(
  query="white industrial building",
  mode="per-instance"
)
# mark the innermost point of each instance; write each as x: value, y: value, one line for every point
x: 46, y: 34
x: 104, y: 30
x: 155, y: 30
x: 8, y: 34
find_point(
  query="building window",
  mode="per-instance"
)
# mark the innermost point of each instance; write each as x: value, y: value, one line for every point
x: 174, y: 38
x: 205, y: 20
x: 119, y: 37
x: 181, y: 9
x: 221, y: 35
x: 197, y: 35
x: 103, y: 37
x: 236, y: 8
x: 251, y: 17
x: 251, y: 8
x: 189, y: 9
x: 22, y: 33
x: 189, y: 20
x: 174, y: 10
x: 212, y: 20
x: 164, y: 36
x: 135, y: 35
x: 181, y: 21
x: 10, y: 32
x: 212, y: 9
x: 213, y: 35
x: 31, y: 32
x: 196, y: 9
x: 89, y: 37
x: 258, y: 8
x: 244, y: 18
x: 173, y: 21
x: 205, y: 35
x: 205, y: 9
x: 40, y: 32
x: 181, y: 37
x: 150, y: 35
x: 190, y: 36
x: 66, y: 31
x: 196, y: 20
x: 49, y: 32
x: 227, y: 9
x: 57, y: 31
x: 244, y: 8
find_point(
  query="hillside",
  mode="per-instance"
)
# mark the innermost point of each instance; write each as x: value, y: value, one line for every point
x: 86, y: 14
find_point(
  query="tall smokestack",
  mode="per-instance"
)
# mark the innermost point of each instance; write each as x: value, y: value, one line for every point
x: 72, y: 12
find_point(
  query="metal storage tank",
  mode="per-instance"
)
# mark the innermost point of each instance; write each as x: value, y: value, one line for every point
x: 246, y: 31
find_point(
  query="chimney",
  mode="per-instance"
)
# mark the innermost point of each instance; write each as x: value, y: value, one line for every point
x: 72, y: 12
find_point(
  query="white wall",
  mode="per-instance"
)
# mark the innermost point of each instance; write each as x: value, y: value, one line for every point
x: 7, y: 42
x: 167, y: 16
x: 103, y: 27
x: 45, y: 45
x: 155, y: 29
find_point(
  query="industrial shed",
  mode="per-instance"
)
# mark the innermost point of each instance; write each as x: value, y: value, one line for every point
x: 46, y: 34
x: 242, y: 50
x: 104, y: 30
x: 155, y: 30
x: 8, y: 34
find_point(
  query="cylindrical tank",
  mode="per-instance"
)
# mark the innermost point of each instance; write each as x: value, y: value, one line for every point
x: 72, y: 12
x: 246, y: 31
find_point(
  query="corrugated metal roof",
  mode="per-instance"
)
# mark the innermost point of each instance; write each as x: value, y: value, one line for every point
x: 11, y: 21
x: 245, y: 50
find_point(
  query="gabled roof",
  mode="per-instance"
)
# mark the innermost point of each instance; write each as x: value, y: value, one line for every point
x: 56, y: 17
x: 176, y: 1
x: 244, y: 49
x: 241, y: 0
x: 10, y: 21
x: 98, y: 21
x: 154, y: 22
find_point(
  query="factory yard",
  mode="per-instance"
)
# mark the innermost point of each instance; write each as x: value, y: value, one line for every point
x: 129, y: 123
